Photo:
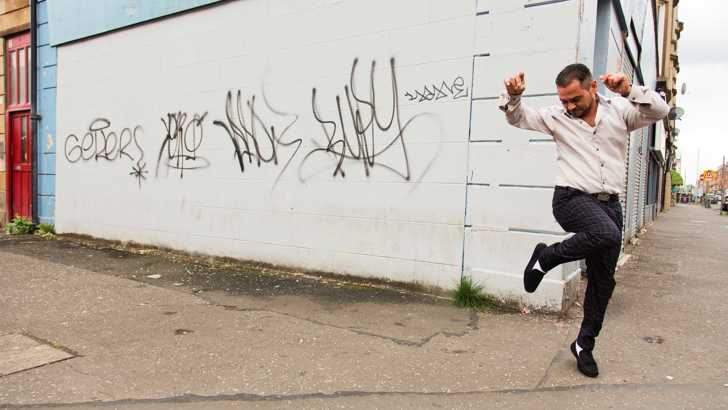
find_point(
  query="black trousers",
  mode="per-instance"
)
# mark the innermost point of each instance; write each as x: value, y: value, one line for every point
x: 598, y: 239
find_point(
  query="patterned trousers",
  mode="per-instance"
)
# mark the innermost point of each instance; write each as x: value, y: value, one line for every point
x: 597, y: 228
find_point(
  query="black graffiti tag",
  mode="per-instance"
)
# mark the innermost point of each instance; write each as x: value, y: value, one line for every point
x: 255, y: 142
x: 183, y: 139
x: 432, y: 92
x: 371, y: 131
x: 99, y: 142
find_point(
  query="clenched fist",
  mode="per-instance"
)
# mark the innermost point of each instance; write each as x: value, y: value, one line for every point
x: 516, y: 85
x: 617, y: 83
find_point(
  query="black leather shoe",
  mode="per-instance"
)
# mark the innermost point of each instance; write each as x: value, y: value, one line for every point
x: 585, y: 362
x: 532, y: 277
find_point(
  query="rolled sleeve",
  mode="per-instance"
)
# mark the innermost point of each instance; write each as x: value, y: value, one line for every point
x: 508, y: 103
x: 522, y: 116
x: 640, y: 95
x: 645, y: 108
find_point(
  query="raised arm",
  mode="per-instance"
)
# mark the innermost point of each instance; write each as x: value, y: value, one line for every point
x: 645, y: 106
x: 517, y: 114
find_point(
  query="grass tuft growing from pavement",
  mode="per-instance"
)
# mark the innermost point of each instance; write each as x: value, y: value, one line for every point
x: 19, y: 226
x: 45, y: 230
x: 469, y: 294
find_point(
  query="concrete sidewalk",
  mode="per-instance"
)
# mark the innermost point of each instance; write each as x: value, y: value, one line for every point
x: 202, y: 336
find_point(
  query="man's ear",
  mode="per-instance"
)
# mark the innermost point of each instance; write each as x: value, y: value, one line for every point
x: 593, y: 86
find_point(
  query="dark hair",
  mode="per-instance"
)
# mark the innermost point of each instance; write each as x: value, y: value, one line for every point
x: 573, y: 72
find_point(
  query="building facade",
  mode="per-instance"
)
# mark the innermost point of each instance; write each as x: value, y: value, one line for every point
x: 15, y: 143
x: 668, y: 34
x: 357, y: 137
x: 713, y: 181
x: 27, y: 140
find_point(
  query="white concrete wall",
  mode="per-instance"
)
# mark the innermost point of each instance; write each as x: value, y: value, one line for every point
x: 403, y: 218
x: 510, y: 182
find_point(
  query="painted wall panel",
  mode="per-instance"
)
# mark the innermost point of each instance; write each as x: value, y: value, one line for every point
x: 393, y: 206
x: 489, y: 124
x: 42, y: 11
x: 48, y: 165
x: 512, y: 171
x: 43, y: 34
x: 540, y: 69
x: 529, y: 29
x: 46, y: 205
x: 47, y: 56
x: 504, y: 208
x: 45, y: 128
x: 46, y: 184
x: 499, y: 164
x: 75, y: 19
x: 497, y: 262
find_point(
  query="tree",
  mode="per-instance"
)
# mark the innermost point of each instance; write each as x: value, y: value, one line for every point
x: 677, y: 179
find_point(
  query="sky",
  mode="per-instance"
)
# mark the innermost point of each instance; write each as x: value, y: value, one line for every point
x: 703, y: 53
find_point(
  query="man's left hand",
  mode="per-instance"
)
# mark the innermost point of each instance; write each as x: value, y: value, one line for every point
x: 617, y: 83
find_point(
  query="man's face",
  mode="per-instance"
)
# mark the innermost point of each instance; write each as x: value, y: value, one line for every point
x: 576, y: 99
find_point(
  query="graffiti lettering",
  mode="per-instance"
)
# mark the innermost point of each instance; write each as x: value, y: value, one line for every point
x: 357, y: 132
x: 254, y: 141
x: 456, y: 90
x: 183, y: 139
x: 99, y: 142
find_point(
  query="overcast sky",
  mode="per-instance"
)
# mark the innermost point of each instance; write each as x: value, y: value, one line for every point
x: 703, y: 52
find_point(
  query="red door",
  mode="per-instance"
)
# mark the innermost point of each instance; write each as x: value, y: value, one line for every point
x: 21, y: 166
x: 19, y: 135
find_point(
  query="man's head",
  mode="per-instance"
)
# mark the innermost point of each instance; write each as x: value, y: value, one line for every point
x: 577, y: 90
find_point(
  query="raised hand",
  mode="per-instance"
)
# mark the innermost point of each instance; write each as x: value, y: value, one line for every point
x: 516, y: 85
x: 617, y: 83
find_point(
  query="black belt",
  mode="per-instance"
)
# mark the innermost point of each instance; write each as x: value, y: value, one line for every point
x: 605, y: 196
x: 600, y: 196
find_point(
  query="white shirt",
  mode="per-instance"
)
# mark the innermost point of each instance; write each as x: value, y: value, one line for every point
x: 591, y: 159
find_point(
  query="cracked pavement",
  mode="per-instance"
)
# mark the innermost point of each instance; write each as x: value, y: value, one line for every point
x: 210, y: 334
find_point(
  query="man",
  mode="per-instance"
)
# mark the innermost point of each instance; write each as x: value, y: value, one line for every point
x: 591, y: 133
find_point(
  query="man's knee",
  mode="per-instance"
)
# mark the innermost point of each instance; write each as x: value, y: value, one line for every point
x: 609, y: 238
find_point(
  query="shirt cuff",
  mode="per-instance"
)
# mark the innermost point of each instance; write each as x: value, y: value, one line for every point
x: 507, y: 103
x: 639, y: 95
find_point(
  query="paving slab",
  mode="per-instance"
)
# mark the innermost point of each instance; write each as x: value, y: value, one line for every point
x: 20, y: 352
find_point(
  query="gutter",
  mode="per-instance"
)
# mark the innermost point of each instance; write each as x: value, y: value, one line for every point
x: 34, y: 117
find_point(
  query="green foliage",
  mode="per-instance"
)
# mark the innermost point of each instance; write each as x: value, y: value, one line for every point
x: 20, y: 226
x: 469, y: 294
x: 46, y: 230
x: 677, y: 179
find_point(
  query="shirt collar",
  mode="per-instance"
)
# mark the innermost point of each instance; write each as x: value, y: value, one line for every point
x: 604, y: 100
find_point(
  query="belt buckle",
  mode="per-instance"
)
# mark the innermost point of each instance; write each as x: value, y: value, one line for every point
x: 603, y: 196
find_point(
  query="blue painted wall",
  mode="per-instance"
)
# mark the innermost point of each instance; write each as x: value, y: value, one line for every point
x: 46, y: 138
x: 74, y: 19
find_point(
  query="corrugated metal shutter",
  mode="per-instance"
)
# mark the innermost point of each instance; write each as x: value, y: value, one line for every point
x: 637, y: 190
x: 627, y: 196
x: 644, y: 176
x: 632, y: 198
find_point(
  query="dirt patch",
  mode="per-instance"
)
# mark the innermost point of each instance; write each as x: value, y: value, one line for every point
x: 199, y: 274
